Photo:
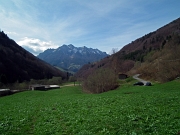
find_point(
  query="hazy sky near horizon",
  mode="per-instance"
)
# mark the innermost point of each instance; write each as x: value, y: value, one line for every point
x: 38, y: 25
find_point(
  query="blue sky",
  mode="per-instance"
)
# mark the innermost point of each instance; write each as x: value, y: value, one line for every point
x: 37, y: 25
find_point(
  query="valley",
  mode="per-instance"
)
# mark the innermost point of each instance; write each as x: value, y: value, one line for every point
x: 83, y: 67
x: 127, y: 110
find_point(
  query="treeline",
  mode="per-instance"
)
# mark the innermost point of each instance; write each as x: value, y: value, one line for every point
x: 25, y: 85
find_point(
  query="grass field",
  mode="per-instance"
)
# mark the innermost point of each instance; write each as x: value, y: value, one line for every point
x: 128, y: 110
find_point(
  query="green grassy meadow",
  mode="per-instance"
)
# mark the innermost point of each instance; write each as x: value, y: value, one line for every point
x: 129, y: 110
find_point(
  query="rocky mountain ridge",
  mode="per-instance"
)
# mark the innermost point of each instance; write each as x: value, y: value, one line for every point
x: 71, y: 58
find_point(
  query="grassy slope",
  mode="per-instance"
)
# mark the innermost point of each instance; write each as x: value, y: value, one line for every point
x: 128, y: 110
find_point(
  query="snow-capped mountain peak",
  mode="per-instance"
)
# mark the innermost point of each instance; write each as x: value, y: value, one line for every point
x: 71, y: 57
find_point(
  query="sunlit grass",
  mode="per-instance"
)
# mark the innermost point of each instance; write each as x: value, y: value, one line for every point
x: 127, y: 110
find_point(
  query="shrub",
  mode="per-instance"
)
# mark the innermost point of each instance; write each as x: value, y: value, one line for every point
x: 55, y: 80
x: 72, y: 79
x: 21, y: 86
x: 101, y: 80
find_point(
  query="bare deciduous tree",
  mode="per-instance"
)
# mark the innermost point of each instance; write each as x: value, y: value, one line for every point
x: 114, y: 50
x: 101, y: 80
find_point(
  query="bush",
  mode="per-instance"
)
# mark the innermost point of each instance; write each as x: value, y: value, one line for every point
x: 129, y: 79
x: 72, y: 79
x: 55, y: 80
x: 21, y: 86
x: 101, y: 80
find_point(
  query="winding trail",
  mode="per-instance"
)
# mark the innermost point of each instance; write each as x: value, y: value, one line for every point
x: 139, y: 79
x: 70, y: 85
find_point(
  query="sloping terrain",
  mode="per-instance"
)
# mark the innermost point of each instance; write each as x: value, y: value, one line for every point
x: 71, y: 58
x: 17, y: 64
x: 147, y: 55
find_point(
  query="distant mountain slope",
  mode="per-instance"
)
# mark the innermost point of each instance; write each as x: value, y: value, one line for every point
x: 17, y: 64
x: 155, y: 55
x: 70, y: 57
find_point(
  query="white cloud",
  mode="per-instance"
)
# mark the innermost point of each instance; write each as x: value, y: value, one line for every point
x: 36, y: 46
x: 101, y: 24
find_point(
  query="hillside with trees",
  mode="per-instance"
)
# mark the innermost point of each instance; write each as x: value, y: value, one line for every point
x: 18, y: 65
x: 155, y: 56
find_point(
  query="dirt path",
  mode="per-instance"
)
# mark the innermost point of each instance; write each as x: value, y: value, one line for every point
x: 69, y: 85
x: 139, y: 79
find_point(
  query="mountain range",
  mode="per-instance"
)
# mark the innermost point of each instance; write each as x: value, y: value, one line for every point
x: 18, y: 65
x: 155, y: 56
x: 71, y: 58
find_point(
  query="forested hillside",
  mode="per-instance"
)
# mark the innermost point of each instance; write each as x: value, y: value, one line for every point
x: 18, y: 65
